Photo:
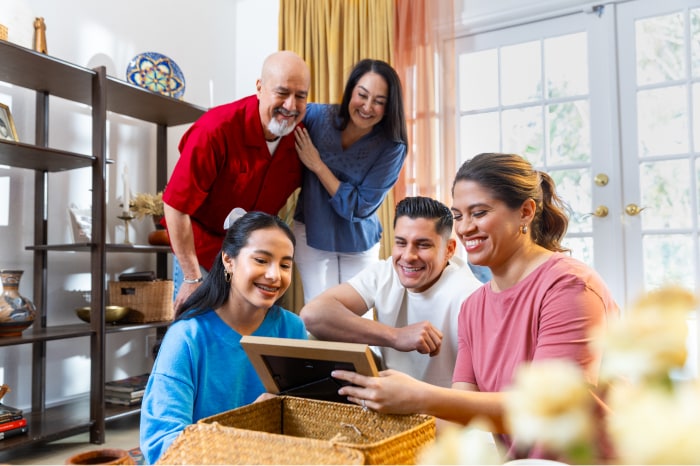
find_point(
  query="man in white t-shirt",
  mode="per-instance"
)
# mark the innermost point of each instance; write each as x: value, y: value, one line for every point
x: 416, y: 295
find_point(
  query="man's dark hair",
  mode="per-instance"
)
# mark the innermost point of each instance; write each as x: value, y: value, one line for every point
x: 428, y: 208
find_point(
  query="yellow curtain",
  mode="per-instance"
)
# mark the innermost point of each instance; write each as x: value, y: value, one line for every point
x: 425, y: 60
x: 331, y: 36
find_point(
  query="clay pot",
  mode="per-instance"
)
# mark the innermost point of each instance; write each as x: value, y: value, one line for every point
x: 16, y: 312
x: 103, y: 456
x: 159, y: 237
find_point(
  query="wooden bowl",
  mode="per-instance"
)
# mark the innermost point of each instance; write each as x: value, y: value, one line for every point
x: 112, y: 313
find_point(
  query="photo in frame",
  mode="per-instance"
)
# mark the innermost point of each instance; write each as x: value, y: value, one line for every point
x: 302, y: 368
x: 7, y: 124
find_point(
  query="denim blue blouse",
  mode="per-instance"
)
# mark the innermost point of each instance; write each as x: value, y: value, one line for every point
x: 367, y: 170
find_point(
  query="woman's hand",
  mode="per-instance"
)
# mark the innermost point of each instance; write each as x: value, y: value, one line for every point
x: 391, y: 392
x: 308, y: 154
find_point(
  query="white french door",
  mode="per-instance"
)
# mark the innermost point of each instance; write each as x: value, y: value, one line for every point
x: 608, y: 102
x: 545, y: 91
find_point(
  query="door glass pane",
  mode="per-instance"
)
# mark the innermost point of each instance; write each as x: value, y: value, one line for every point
x: 573, y: 187
x: 569, y: 133
x: 666, y: 194
x: 524, y: 134
x: 478, y: 133
x: 668, y: 259
x: 581, y: 248
x: 662, y: 121
x: 521, y: 67
x: 696, y: 114
x: 478, y: 76
x: 566, y: 65
x: 695, y: 44
x: 660, y: 49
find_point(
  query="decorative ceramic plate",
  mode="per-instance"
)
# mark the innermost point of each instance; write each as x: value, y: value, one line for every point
x: 157, y: 73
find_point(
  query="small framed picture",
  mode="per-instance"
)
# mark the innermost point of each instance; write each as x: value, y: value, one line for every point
x: 7, y: 124
x: 303, y: 368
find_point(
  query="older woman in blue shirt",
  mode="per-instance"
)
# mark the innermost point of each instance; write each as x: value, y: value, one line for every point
x: 353, y: 153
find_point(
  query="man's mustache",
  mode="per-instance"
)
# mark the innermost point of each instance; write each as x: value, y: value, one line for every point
x: 286, y: 113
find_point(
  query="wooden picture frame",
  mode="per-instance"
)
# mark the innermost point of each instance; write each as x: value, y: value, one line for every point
x: 8, y: 132
x: 302, y: 367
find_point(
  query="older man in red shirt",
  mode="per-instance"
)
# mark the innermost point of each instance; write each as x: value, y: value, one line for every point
x: 239, y: 154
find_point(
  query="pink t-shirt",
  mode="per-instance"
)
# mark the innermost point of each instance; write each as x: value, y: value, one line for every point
x: 550, y: 314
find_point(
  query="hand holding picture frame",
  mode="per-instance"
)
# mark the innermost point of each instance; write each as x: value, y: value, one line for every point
x: 303, y: 368
x: 7, y: 124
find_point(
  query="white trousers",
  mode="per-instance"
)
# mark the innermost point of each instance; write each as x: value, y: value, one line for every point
x: 320, y: 270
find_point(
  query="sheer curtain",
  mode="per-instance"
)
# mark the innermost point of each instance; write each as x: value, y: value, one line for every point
x: 425, y: 60
x: 332, y: 35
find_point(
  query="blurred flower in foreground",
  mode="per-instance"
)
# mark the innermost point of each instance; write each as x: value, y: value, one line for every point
x: 465, y: 445
x: 652, y: 425
x: 650, y: 339
x: 550, y: 406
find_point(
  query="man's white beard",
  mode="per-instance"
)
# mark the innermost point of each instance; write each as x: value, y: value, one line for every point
x: 280, y: 128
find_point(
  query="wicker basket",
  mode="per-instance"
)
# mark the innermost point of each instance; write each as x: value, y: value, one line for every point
x: 214, y: 444
x: 382, y: 438
x: 148, y: 301
x: 3, y: 32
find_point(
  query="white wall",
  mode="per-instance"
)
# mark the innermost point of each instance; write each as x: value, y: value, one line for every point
x: 220, y: 46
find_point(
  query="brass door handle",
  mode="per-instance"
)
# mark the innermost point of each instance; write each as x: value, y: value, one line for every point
x: 633, y: 209
x: 601, y: 211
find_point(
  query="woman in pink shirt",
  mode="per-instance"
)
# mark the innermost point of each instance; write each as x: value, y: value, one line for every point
x: 540, y: 303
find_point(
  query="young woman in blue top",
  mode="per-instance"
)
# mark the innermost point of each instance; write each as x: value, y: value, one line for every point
x: 201, y: 368
x: 353, y: 153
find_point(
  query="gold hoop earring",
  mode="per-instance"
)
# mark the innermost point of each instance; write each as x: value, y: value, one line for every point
x: 227, y: 276
x: 523, y: 229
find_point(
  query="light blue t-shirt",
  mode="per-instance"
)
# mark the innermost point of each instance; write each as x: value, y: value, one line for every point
x: 202, y: 370
x: 367, y: 170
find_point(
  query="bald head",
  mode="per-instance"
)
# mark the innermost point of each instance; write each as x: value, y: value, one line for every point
x: 283, y: 88
x: 285, y: 62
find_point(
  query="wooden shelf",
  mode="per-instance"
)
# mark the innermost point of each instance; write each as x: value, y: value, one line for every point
x: 126, y: 99
x: 22, y: 155
x: 52, y: 77
x: 37, y: 334
x: 26, y: 68
x: 86, y: 247
x: 53, y: 423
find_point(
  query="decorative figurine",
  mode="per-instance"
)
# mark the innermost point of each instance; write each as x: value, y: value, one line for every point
x: 40, y: 35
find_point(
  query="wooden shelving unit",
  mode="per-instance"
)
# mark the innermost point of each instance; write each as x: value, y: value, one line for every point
x: 49, y: 76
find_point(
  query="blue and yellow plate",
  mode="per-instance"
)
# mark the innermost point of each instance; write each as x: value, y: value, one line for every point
x: 157, y: 73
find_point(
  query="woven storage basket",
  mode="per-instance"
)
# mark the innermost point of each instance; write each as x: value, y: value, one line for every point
x: 214, y: 444
x: 382, y: 438
x: 148, y: 301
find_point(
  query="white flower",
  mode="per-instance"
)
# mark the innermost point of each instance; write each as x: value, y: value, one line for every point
x: 550, y: 405
x: 654, y: 425
x: 650, y: 339
x: 466, y: 445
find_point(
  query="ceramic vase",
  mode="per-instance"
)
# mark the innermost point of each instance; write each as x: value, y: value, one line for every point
x: 158, y: 237
x: 16, y: 312
x: 103, y: 456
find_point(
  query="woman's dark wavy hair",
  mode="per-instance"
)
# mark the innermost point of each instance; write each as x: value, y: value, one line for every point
x: 393, y: 125
x: 511, y: 179
x: 214, y: 291
x: 425, y: 207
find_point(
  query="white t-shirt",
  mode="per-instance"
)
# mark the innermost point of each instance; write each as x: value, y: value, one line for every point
x: 380, y: 288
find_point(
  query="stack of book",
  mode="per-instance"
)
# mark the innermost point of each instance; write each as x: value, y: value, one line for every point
x: 12, y: 422
x: 128, y: 391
